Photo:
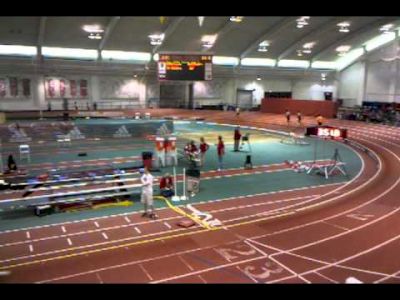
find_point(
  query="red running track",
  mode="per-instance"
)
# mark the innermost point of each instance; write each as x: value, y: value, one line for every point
x: 320, y: 234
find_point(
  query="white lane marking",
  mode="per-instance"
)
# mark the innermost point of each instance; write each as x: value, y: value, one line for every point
x: 201, y: 278
x: 104, y: 235
x: 28, y: 235
x: 326, y: 277
x: 69, y: 241
x: 145, y: 272
x: 335, y: 225
x: 138, y: 230
x: 186, y: 263
x: 359, y: 217
x: 63, y: 229
x: 127, y: 220
x: 96, y: 224
x: 168, y: 226
x: 30, y: 248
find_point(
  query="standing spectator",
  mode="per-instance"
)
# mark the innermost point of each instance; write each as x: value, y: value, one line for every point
x: 299, y: 116
x: 237, y: 111
x: 287, y: 114
x: 221, y: 152
x: 48, y: 106
x: 12, y: 166
x: 94, y: 105
x: 203, y: 149
x: 87, y: 106
x: 147, y: 193
x: 320, y: 120
x: 236, y: 137
x: 76, y: 105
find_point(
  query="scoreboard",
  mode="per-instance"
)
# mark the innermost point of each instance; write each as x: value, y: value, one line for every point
x: 191, y: 67
x: 327, y: 132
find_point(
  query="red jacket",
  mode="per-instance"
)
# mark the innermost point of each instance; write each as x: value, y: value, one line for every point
x: 166, y: 182
x: 221, y: 148
x: 204, y: 147
x: 237, y: 135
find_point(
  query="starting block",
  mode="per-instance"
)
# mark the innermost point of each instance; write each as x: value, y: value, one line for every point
x: 186, y: 223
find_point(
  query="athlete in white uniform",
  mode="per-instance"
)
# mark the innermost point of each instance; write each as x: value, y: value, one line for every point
x: 147, y: 193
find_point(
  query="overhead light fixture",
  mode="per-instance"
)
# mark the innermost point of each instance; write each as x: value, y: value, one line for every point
x: 258, y: 78
x: 135, y: 76
x: 387, y: 28
x: 299, y: 53
x: 302, y: 21
x: 156, y: 39
x: 343, y: 49
x: 344, y: 27
x: 95, y: 36
x: 262, y: 47
x: 208, y: 40
x: 93, y: 28
x: 236, y: 19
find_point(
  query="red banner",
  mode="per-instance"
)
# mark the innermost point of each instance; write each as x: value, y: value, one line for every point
x: 62, y: 87
x: 13, y: 86
x: 2, y: 88
x: 72, y: 85
x: 83, y: 85
x: 26, y: 87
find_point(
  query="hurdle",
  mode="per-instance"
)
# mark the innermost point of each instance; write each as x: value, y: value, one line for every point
x: 175, y: 198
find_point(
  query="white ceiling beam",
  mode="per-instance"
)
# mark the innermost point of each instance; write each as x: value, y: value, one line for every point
x: 307, y: 37
x: 42, y: 30
x: 267, y: 35
x: 348, y: 36
x: 172, y: 26
x: 107, y: 33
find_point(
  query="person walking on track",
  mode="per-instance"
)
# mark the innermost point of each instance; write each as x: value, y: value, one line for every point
x: 203, y: 149
x: 299, y: 116
x: 236, y: 137
x: 287, y: 114
x: 147, y: 193
x: 237, y: 111
x: 221, y: 152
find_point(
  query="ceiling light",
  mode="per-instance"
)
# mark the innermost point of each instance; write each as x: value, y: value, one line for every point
x: 156, y: 39
x: 302, y: 21
x: 135, y: 76
x: 264, y: 43
x: 343, y: 49
x: 236, y: 19
x: 387, y: 28
x: 94, y: 36
x: 208, y: 40
x: 309, y: 45
x: 93, y: 28
x: 299, y: 53
x: 258, y: 78
x: 262, y: 49
x: 307, y: 51
x: 344, y: 26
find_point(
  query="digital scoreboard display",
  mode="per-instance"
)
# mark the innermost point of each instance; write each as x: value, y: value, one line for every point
x: 191, y: 67
x: 327, y: 132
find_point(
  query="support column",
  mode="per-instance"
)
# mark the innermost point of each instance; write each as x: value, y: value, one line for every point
x: 364, y: 83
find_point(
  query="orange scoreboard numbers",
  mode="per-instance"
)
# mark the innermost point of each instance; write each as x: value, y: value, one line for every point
x: 190, y: 67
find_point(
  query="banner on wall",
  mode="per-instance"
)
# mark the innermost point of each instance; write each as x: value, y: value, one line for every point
x: 58, y: 88
x: 15, y: 87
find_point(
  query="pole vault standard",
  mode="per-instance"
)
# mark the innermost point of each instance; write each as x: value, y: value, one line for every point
x: 175, y: 197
